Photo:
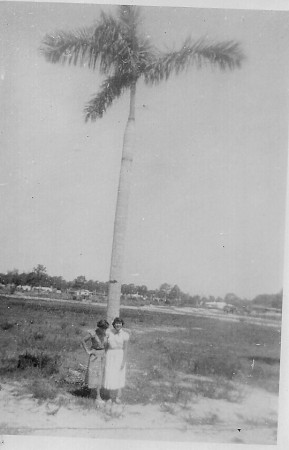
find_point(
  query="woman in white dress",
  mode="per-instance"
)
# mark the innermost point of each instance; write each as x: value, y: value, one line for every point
x: 115, y: 361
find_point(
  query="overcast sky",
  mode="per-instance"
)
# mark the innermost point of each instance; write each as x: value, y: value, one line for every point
x: 207, y: 208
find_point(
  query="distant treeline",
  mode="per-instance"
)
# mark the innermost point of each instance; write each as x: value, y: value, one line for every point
x: 166, y: 293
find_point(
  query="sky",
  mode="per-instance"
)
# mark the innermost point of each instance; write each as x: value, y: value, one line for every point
x: 207, y: 205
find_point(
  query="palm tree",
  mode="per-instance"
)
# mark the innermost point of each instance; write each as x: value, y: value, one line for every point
x: 117, y: 49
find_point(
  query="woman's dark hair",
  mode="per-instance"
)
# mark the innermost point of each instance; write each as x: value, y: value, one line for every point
x: 102, y: 323
x: 117, y: 320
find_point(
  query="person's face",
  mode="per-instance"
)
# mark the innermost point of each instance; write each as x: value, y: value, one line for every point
x: 118, y: 326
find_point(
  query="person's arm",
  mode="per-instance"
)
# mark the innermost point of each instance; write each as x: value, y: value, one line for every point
x: 106, y: 340
x: 125, y: 346
x: 84, y: 341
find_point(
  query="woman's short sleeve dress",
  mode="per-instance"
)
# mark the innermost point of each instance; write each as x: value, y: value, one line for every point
x: 95, y: 367
x: 114, y: 376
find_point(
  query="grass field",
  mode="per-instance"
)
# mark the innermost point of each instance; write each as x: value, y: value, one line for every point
x: 172, y: 359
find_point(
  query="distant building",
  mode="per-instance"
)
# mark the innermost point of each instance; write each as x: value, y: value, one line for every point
x: 84, y: 292
x: 216, y: 305
x: 25, y: 288
x: 42, y: 289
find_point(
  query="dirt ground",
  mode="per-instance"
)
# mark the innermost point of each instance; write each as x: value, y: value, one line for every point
x: 251, y: 421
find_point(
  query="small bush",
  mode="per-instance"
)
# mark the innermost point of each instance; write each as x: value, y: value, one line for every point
x: 49, y: 364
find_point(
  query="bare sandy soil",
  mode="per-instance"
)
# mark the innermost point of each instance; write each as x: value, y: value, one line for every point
x: 253, y: 420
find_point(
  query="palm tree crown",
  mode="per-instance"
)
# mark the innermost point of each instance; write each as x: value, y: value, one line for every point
x: 116, y: 48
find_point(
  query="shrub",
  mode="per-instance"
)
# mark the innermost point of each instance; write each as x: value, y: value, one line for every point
x: 49, y: 364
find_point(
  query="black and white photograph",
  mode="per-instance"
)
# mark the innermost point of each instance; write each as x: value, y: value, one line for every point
x: 143, y: 183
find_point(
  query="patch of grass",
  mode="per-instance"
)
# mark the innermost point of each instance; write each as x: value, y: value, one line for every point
x: 8, y: 363
x: 87, y: 403
x: 266, y: 422
x: 64, y: 325
x: 219, y: 364
x: 218, y: 389
x: 264, y: 359
x: 237, y: 441
x: 83, y: 321
x: 155, y: 373
x: 6, y: 325
x: 42, y: 390
x: 210, y: 362
x: 210, y: 419
x: 38, y: 335
x: 168, y: 408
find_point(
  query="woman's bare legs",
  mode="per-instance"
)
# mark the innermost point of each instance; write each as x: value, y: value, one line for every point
x: 95, y: 394
x: 115, y: 395
x: 118, y: 396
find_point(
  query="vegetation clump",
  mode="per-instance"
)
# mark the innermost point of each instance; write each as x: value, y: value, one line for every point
x: 49, y: 364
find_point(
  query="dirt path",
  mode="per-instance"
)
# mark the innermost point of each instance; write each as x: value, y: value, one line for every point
x: 251, y: 421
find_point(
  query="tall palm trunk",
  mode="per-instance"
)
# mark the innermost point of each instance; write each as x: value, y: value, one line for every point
x: 121, y: 213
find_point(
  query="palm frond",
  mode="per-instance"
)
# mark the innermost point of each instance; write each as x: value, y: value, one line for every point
x: 111, y: 89
x: 225, y: 55
x: 103, y: 43
x: 70, y: 47
x: 111, y: 38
